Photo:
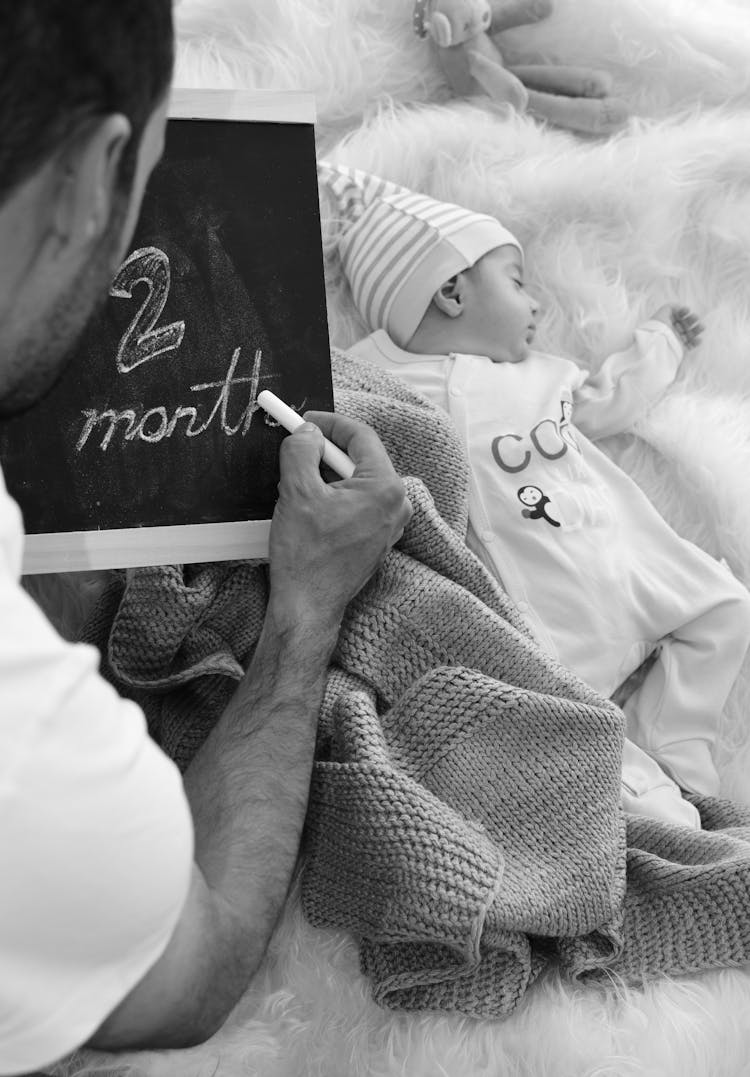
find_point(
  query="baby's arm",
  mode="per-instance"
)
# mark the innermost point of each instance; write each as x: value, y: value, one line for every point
x: 628, y: 383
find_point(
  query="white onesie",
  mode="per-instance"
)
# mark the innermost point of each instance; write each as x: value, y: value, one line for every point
x: 600, y: 576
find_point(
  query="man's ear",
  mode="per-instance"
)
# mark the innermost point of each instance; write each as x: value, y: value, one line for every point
x: 449, y: 299
x: 90, y: 168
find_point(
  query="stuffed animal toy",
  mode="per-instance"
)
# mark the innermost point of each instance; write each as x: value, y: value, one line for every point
x: 463, y: 33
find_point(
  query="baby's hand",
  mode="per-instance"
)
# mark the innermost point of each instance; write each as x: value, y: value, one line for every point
x: 683, y: 322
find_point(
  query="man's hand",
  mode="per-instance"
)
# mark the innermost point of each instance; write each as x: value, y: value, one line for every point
x: 684, y: 323
x: 327, y: 539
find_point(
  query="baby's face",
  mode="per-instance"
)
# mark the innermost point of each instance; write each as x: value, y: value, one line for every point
x: 504, y: 316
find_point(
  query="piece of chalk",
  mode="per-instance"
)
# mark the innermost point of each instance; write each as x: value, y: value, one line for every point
x: 337, y: 460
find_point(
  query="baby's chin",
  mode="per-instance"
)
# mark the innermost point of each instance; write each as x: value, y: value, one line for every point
x: 516, y: 354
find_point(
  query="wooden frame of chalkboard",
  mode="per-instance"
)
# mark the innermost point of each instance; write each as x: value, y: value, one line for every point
x: 151, y: 448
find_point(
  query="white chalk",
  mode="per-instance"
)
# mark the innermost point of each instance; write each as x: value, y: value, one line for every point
x: 337, y: 460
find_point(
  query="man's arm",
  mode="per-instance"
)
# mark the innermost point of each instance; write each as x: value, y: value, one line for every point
x: 248, y: 785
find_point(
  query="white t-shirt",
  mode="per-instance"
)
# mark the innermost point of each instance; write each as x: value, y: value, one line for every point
x: 96, y: 839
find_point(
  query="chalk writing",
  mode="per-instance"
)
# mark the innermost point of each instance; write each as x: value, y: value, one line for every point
x: 141, y: 340
x: 150, y: 266
x: 155, y: 424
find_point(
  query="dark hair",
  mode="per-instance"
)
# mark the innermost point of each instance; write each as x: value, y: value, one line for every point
x: 63, y: 62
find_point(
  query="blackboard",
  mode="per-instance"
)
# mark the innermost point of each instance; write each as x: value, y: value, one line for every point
x: 151, y: 447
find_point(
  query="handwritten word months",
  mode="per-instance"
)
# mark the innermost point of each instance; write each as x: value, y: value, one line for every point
x: 156, y: 423
x: 143, y: 342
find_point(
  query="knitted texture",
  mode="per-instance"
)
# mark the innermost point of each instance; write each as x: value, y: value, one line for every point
x: 464, y: 817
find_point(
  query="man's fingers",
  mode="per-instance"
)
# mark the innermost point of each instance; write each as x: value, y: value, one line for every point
x: 358, y: 440
x: 687, y: 325
x: 685, y: 316
x: 300, y: 456
x: 690, y: 329
x: 371, y: 461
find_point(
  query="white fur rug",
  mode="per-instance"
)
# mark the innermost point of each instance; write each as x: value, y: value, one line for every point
x: 612, y: 230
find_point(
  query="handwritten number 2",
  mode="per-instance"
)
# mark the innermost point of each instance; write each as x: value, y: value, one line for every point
x: 141, y: 340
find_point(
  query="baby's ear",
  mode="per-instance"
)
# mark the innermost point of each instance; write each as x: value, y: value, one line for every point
x: 449, y: 298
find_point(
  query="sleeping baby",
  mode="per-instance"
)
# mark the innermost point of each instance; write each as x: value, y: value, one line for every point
x: 602, y: 580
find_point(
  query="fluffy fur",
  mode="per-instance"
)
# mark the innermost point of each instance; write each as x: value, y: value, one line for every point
x: 612, y: 230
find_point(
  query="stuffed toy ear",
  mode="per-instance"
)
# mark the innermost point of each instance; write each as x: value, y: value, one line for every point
x: 441, y: 30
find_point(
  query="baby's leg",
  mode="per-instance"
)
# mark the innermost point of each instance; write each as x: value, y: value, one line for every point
x: 675, y: 713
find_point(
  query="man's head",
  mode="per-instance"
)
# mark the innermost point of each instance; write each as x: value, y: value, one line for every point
x: 83, y: 88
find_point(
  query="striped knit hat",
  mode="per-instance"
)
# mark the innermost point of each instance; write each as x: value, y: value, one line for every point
x: 398, y: 247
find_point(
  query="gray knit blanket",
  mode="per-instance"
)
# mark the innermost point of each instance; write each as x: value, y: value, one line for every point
x: 464, y: 819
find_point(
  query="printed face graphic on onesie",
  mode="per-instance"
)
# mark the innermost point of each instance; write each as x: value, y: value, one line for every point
x: 537, y: 501
x: 530, y: 495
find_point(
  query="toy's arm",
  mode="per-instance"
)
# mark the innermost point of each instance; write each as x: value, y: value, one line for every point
x: 629, y: 382
x: 488, y: 71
